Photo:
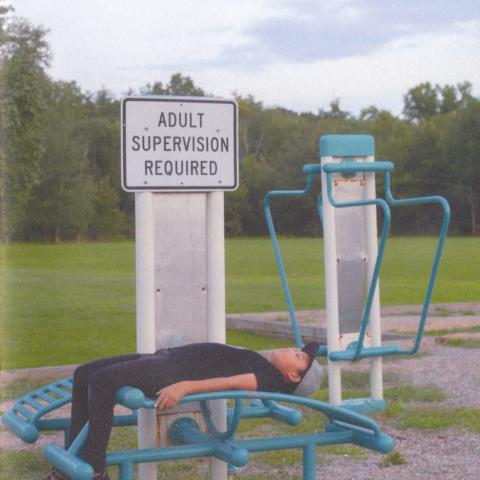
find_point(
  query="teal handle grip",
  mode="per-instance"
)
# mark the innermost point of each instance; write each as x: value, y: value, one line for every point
x: 130, y: 397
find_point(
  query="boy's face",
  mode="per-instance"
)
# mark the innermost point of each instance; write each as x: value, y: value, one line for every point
x: 291, y: 362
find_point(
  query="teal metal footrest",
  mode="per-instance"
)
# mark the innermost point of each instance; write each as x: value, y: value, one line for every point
x: 366, y: 352
x: 24, y: 418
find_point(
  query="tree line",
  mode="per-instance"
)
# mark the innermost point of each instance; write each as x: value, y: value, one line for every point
x: 60, y: 152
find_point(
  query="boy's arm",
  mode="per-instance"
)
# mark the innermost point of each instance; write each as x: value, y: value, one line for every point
x: 169, y: 396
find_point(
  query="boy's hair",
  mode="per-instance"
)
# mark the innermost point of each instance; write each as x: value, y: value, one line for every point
x: 311, y: 377
x: 311, y: 349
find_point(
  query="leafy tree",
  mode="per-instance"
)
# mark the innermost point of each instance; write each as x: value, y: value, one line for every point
x: 108, y: 221
x: 335, y: 111
x: 465, y: 93
x: 420, y: 102
x: 251, y: 129
x: 369, y: 114
x: 23, y: 89
x: 178, y: 85
x: 449, y: 101
x: 462, y: 140
x: 424, y: 101
x: 61, y: 203
x: 234, y: 210
x: 4, y: 10
x: 255, y: 177
x: 113, y: 208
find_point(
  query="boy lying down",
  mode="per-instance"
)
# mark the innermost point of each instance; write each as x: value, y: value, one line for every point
x: 171, y: 373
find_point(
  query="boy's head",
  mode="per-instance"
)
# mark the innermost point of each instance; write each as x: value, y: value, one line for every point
x: 294, y: 364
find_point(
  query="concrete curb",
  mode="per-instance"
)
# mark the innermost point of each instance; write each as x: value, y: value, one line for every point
x: 8, y: 376
x: 283, y: 330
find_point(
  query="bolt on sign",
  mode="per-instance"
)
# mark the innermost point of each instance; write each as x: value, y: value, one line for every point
x: 179, y: 143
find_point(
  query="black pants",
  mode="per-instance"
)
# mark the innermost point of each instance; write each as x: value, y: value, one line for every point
x: 93, y: 395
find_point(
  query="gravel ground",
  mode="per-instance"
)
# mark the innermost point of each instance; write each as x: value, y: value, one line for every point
x: 452, y: 454
x: 448, y: 455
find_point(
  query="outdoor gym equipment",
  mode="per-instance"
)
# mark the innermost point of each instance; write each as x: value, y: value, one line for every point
x: 181, y: 299
x: 187, y: 438
x: 347, y: 209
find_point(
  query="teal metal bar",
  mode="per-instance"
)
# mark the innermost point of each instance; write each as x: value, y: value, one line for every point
x: 186, y: 431
x: 309, y: 462
x: 295, y: 441
x: 283, y: 414
x: 278, y: 256
x: 312, y: 168
x: 273, y: 410
x: 43, y: 395
x: 77, y: 445
x: 59, y: 391
x: 350, y: 354
x: 438, y: 253
x: 72, y: 466
x: 178, y: 452
x: 52, y: 424
x: 362, y: 437
x: 331, y: 411
x: 126, y: 471
x: 233, y: 421
x: 33, y: 403
x: 364, y: 405
x: 28, y: 414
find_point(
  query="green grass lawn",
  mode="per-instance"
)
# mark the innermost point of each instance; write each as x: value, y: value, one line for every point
x: 68, y: 303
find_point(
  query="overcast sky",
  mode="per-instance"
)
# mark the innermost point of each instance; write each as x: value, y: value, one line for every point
x: 295, y: 54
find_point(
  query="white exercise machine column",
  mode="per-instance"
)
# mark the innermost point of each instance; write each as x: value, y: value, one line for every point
x: 350, y: 250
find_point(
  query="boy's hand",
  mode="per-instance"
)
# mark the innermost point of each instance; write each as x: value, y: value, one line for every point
x: 169, y: 396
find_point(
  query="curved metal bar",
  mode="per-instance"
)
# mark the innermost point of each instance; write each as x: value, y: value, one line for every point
x: 378, y: 262
x: 278, y: 256
x: 438, y: 253
x: 334, y: 413
x: 232, y: 425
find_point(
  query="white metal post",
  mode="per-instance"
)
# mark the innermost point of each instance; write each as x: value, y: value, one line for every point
x: 216, y: 306
x: 331, y: 292
x: 376, y: 380
x: 145, y: 307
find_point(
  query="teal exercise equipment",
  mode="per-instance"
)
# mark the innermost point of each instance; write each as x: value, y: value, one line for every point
x: 189, y: 441
x: 357, y: 350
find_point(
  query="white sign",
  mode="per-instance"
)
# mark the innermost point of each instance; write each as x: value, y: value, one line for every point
x: 175, y: 143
